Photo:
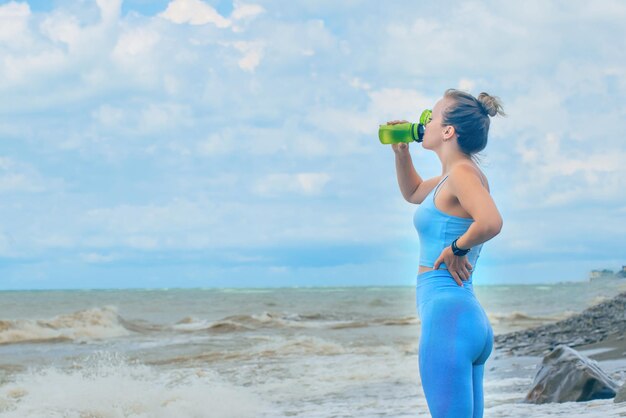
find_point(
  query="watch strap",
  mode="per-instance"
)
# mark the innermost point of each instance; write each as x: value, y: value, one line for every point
x: 458, y: 251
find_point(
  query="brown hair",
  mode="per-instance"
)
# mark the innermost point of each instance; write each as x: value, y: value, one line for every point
x: 470, y: 118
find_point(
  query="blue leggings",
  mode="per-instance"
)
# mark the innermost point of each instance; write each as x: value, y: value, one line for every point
x: 455, y: 341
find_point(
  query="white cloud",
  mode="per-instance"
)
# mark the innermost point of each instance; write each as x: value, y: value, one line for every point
x: 158, y: 116
x: 108, y: 115
x: 245, y: 10
x: 136, y: 54
x: 243, y: 14
x: 553, y: 175
x: 182, y: 224
x: 288, y: 139
x: 252, y: 54
x: 5, y: 163
x: 135, y: 42
x: 52, y: 239
x: 344, y: 121
x: 7, y: 245
x: 215, y: 144
x: 284, y: 184
x: 466, y: 84
x: 312, y: 183
x: 98, y: 258
x: 384, y: 105
x: 62, y: 28
x: 17, y: 182
x: 608, y: 10
x: 14, y: 19
x: 289, y: 41
x: 194, y: 12
x: 396, y: 103
x: 109, y: 10
x: 141, y: 242
x: 20, y: 70
x: 138, y: 219
x: 148, y: 226
x: 19, y: 177
x: 306, y: 145
x: 357, y: 83
x: 172, y: 84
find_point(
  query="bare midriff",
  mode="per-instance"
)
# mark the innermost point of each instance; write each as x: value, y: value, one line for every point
x: 422, y: 269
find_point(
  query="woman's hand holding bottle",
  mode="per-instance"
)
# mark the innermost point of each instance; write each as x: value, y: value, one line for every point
x: 401, y: 147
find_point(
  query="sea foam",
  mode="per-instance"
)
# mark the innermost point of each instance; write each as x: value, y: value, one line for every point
x: 106, y: 384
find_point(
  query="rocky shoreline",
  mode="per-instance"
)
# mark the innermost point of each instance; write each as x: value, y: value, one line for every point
x: 606, y: 320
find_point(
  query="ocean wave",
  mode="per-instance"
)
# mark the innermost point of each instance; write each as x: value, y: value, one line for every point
x: 517, y: 316
x: 298, y: 345
x: 274, y: 320
x: 265, y: 347
x: 233, y: 323
x: 598, y: 300
x: 89, y: 324
x: 105, y: 322
x: 409, y: 320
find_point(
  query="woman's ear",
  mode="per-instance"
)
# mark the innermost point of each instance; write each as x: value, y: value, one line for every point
x: 449, y: 132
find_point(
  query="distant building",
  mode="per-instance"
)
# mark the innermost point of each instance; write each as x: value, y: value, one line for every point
x: 601, y: 274
x: 607, y: 274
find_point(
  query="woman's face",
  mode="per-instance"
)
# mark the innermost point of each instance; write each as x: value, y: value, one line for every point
x: 434, y: 130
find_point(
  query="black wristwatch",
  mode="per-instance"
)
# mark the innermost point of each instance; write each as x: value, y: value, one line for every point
x: 457, y: 251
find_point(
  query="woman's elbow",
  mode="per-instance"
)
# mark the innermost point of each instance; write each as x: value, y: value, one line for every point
x: 496, y: 227
x: 491, y: 228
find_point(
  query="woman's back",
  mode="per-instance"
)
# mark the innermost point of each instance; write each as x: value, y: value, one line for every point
x: 437, y: 230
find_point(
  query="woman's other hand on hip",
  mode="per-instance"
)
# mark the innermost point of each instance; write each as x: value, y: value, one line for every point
x: 459, y: 267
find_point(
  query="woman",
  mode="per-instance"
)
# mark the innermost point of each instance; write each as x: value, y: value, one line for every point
x: 455, y: 216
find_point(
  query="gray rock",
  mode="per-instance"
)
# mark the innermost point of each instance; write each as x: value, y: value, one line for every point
x: 621, y: 395
x: 594, y: 324
x: 565, y: 376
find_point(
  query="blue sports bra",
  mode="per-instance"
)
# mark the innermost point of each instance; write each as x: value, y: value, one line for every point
x: 437, y: 230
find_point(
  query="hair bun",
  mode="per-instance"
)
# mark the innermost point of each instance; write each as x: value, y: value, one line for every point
x: 490, y: 104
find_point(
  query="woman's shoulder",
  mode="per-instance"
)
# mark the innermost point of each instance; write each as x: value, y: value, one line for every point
x: 474, y: 168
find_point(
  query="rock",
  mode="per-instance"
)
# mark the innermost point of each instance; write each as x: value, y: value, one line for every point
x: 565, y: 376
x: 621, y: 395
x: 594, y: 324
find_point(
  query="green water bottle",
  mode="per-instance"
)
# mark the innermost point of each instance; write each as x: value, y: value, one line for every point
x: 404, y: 132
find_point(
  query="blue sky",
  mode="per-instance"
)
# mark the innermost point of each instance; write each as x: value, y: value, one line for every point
x: 192, y: 143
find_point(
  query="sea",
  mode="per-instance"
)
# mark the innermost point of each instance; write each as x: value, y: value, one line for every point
x: 274, y: 352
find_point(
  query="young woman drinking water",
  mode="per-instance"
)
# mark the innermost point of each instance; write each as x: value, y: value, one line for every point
x: 455, y: 216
